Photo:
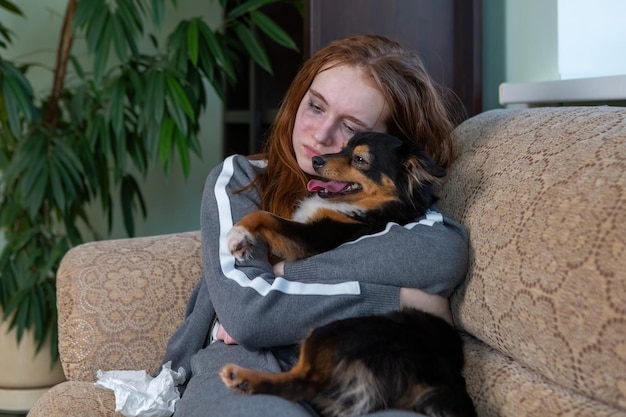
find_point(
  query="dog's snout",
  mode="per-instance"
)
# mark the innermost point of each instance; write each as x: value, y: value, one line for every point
x: 318, y: 162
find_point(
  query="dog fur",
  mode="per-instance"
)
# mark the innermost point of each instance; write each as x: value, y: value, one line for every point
x: 408, y: 359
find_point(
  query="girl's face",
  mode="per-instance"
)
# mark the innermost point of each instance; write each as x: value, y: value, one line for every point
x: 339, y: 103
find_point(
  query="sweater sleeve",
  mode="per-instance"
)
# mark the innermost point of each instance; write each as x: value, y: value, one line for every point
x: 259, y: 310
x: 430, y: 254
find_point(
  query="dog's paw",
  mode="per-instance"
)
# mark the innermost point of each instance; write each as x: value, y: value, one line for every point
x: 230, y: 375
x: 240, y: 242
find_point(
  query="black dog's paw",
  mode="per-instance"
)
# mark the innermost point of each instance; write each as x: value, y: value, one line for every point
x: 230, y: 376
x: 240, y: 242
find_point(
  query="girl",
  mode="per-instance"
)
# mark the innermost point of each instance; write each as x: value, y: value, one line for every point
x: 253, y: 313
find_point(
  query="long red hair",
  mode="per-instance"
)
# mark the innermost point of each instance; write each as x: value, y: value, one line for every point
x: 417, y: 111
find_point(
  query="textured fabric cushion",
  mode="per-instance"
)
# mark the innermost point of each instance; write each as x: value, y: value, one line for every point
x: 543, y: 193
x: 119, y: 301
x: 76, y: 399
x: 502, y: 387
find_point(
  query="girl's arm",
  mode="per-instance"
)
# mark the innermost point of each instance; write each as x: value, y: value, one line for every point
x: 430, y: 254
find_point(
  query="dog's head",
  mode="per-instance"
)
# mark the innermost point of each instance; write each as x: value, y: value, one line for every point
x: 374, y: 169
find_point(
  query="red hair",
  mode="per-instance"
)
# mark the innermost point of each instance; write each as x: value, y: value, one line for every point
x: 417, y: 111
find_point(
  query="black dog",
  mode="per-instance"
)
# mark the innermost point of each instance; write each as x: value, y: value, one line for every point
x: 408, y: 360
x: 375, y: 179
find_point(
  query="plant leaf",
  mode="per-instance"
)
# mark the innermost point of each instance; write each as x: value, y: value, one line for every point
x: 119, y: 153
x: 179, y: 95
x: 17, y: 97
x: 252, y: 45
x: 119, y: 36
x: 57, y: 187
x: 130, y: 27
x: 11, y: 98
x: 95, y: 19
x: 158, y: 95
x: 166, y: 140
x: 176, y: 114
x: 127, y: 205
x: 115, y: 107
x: 102, y: 53
x: 271, y: 29
x: 192, y: 41
x: 77, y: 67
x: 38, y: 192
x: 11, y: 7
x: 84, y: 10
x: 129, y: 191
x: 158, y: 7
x: 215, y: 46
x: 247, y: 7
x: 183, y: 153
x: 138, y: 154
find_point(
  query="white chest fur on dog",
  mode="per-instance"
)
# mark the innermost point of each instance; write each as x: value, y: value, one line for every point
x: 310, y: 205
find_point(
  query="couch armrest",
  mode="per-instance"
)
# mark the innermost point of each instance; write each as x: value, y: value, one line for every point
x: 120, y: 300
x: 542, y: 192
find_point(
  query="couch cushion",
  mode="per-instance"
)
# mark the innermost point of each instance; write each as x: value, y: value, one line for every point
x: 501, y: 387
x: 76, y: 399
x: 119, y: 301
x: 543, y: 193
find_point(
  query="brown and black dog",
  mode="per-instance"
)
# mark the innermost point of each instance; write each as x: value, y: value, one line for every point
x: 375, y: 179
x: 407, y: 359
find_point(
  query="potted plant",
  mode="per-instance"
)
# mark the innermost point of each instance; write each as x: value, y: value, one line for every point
x: 92, y: 135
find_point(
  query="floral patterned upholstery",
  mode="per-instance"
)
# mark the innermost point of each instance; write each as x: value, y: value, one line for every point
x: 543, y: 193
x: 119, y: 301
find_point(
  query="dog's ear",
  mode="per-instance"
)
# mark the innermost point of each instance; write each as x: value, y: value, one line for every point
x: 423, y: 169
x: 396, y: 143
x: 418, y: 163
x: 422, y: 179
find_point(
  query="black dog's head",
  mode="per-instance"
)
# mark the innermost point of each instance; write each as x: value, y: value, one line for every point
x: 375, y: 170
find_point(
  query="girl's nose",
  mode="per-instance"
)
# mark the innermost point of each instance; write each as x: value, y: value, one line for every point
x: 324, y: 133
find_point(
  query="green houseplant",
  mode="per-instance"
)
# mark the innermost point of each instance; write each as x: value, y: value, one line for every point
x: 95, y: 131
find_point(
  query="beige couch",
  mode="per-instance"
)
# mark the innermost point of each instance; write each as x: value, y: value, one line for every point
x: 543, y: 192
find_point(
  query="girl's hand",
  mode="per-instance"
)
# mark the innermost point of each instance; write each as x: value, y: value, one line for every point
x: 279, y: 269
x: 431, y: 303
x: 223, y: 335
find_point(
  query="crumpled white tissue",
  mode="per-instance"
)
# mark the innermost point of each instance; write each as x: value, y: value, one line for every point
x: 139, y: 394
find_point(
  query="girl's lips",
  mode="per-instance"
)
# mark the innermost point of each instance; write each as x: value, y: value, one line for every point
x: 310, y: 152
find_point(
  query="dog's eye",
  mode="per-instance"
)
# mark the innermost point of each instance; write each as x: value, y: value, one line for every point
x: 359, y: 160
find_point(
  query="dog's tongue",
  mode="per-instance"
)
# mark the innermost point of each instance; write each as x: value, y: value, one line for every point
x: 330, y: 186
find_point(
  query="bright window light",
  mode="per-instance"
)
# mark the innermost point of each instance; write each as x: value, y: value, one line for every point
x: 591, y: 38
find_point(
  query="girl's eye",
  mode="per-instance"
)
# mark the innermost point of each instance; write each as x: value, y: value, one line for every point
x: 315, y: 107
x: 349, y: 130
